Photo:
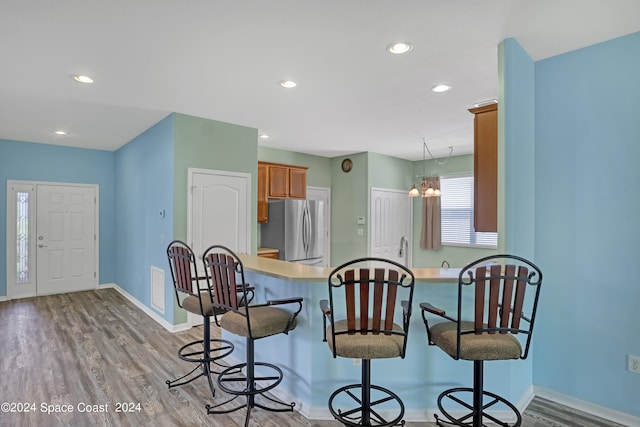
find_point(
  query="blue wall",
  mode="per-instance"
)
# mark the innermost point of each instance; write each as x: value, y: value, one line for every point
x: 144, y: 188
x: 517, y: 137
x: 42, y: 162
x: 516, y: 217
x: 587, y: 222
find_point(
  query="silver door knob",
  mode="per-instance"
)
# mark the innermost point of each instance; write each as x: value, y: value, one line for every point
x: 42, y: 246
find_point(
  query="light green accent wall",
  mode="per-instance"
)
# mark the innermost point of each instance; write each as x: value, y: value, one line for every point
x: 456, y: 256
x: 390, y: 172
x: 209, y: 144
x: 319, y: 172
x: 350, y: 200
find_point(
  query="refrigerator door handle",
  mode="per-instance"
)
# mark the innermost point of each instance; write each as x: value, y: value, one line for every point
x: 309, y: 230
x: 305, y: 228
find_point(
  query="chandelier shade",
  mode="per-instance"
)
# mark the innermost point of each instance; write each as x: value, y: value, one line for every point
x: 429, y: 187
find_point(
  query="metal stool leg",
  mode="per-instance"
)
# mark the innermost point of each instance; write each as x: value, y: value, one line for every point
x: 191, y: 353
x: 364, y: 413
x: 248, y: 386
x: 477, y: 409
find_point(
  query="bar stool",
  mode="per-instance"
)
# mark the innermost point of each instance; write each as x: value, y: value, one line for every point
x: 362, y: 326
x: 491, y: 292
x: 198, y: 300
x: 223, y: 268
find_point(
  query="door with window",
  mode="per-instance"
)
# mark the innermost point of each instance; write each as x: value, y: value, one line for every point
x: 51, y: 238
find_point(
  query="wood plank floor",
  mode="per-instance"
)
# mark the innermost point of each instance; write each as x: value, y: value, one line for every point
x: 95, y: 348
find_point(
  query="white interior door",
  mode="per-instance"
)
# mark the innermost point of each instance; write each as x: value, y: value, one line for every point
x: 324, y: 194
x: 219, y: 210
x: 391, y: 225
x: 66, y: 238
x: 218, y: 213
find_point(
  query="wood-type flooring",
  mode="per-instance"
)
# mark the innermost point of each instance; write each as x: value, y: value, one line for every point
x: 94, y: 359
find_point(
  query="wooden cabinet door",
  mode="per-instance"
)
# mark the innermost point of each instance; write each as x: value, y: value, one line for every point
x: 485, y: 168
x: 263, y: 194
x: 278, y: 181
x: 297, y: 183
x: 271, y: 255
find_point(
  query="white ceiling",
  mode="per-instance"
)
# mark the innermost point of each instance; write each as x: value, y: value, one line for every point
x: 223, y: 60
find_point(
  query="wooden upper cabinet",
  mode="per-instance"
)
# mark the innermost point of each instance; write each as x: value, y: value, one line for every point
x: 298, y: 183
x: 278, y: 181
x: 485, y: 168
x: 263, y: 194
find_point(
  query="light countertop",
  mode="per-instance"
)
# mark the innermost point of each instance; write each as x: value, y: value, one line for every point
x: 307, y: 273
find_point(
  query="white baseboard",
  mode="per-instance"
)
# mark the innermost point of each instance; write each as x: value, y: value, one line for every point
x: 3, y: 299
x: 525, y: 400
x: 149, y: 312
x: 589, y: 408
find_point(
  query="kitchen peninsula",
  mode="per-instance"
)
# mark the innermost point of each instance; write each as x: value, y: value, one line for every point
x: 301, y: 272
x: 311, y: 374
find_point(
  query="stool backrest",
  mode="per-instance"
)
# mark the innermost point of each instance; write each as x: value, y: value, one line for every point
x: 500, y: 285
x: 371, y: 296
x: 182, y: 263
x: 225, y: 277
x: 221, y: 269
x: 380, y: 312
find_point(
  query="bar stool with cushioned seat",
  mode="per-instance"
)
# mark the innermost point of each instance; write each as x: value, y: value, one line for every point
x: 225, y: 275
x: 492, y: 313
x: 198, y: 300
x: 369, y: 321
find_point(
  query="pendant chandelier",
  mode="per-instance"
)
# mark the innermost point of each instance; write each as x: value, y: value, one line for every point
x: 426, y: 187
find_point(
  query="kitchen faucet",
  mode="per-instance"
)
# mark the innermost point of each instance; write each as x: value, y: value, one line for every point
x: 403, y: 252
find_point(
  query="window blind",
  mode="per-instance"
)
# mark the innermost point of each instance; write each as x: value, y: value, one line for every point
x: 456, y: 209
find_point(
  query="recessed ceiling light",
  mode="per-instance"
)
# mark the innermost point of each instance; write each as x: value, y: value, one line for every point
x: 440, y: 88
x: 400, y: 48
x: 264, y: 136
x: 288, y: 84
x: 60, y: 132
x: 82, y: 79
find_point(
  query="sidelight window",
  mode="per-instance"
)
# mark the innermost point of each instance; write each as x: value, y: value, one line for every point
x: 22, y: 237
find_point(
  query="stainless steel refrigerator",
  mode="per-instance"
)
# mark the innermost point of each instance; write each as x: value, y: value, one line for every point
x: 295, y: 228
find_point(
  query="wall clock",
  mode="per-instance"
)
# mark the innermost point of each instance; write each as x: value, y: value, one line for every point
x: 347, y: 164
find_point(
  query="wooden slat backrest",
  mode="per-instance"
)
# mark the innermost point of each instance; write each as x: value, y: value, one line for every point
x: 494, y: 292
x: 499, y: 310
x: 507, y: 295
x: 350, y: 299
x: 377, y: 298
x: 364, y: 300
x: 481, y: 273
x: 370, y: 309
x: 182, y: 261
x: 223, y: 274
x: 521, y: 285
x: 392, y: 291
